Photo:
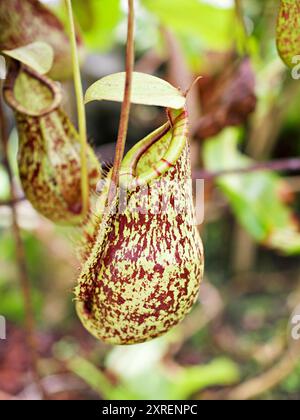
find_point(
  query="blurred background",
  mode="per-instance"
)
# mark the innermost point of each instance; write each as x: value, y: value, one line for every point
x: 235, y: 344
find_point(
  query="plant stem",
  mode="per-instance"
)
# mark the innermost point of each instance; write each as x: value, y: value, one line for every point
x: 244, y: 34
x: 126, y: 104
x: 269, y: 379
x: 21, y: 261
x: 80, y: 110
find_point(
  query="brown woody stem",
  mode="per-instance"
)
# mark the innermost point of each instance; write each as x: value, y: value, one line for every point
x: 21, y: 262
x: 125, y: 110
x: 289, y: 165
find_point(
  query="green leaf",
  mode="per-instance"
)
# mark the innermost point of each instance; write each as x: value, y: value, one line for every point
x: 288, y: 31
x: 180, y: 385
x: 98, y: 381
x: 146, y: 90
x: 161, y: 382
x: 254, y: 197
x: 220, y: 371
x: 97, y: 20
x: 213, y: 25
x: 37, y: 55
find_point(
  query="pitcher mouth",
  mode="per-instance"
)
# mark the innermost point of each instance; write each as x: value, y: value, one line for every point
x: 15, y: 70
x: 173, y: 134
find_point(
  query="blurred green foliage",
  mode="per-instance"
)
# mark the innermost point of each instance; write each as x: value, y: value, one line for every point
x: 254, y: 197
x: 257, y: 300
x: 97, y: 20
x: 159, y: 382
x: 211, y: 25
